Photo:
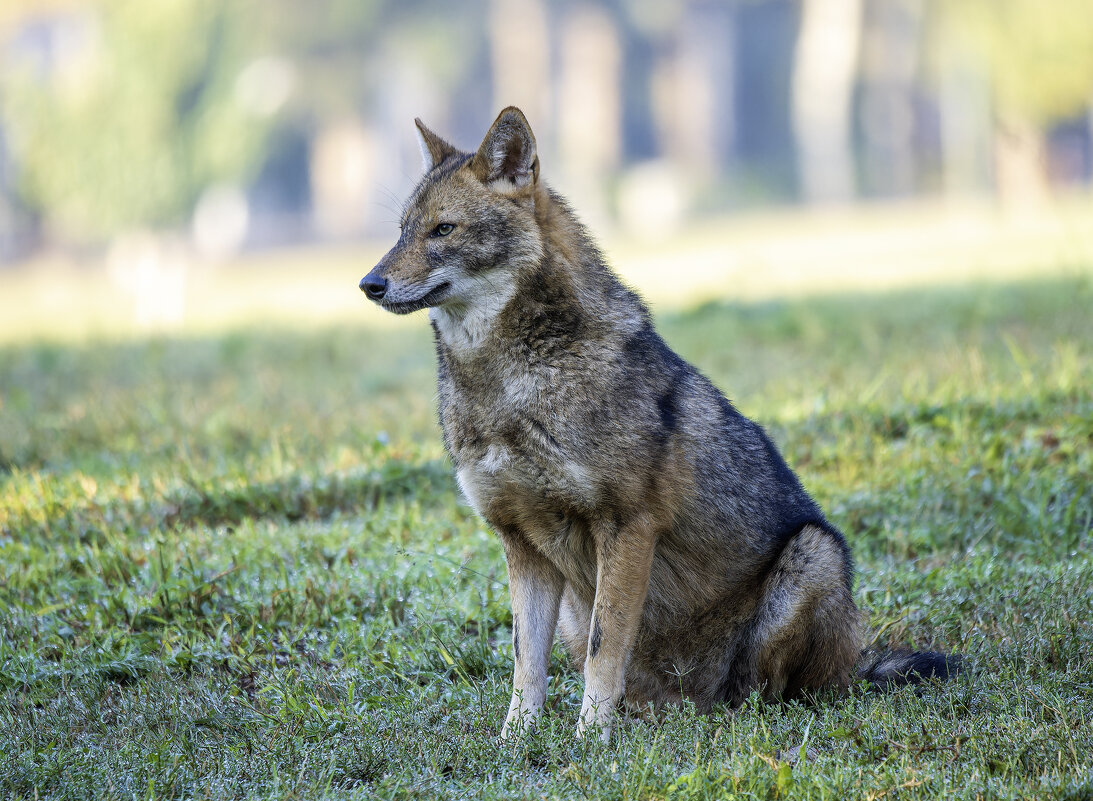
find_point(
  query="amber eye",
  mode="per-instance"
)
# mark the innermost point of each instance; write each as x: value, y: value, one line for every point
x: 443, y: 229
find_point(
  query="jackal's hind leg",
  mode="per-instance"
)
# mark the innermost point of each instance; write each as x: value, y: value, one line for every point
x: 805, y: 634
x: 574, y: 622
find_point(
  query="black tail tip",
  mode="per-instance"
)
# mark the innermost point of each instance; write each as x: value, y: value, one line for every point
x: 896, y: 668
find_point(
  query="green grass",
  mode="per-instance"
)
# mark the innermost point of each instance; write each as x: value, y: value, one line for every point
x: 237, y: 566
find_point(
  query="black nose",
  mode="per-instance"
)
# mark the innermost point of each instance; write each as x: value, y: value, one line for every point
x: 374, y: 288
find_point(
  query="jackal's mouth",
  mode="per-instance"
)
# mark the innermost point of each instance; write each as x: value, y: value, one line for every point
x: 430, y: 298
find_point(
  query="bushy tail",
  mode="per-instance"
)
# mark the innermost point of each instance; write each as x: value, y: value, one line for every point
x: 886, y: 669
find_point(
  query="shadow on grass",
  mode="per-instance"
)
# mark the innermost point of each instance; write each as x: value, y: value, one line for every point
x: 916, y: 309
x: 211, y: 502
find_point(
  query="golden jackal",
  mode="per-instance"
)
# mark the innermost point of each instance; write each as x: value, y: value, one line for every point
x: 643, y: 517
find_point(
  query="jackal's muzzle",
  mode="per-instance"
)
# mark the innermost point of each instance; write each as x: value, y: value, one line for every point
x: 398, y: 297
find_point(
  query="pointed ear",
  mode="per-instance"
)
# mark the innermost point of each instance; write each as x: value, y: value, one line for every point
x: 506, y: 159
x: 433, y: 149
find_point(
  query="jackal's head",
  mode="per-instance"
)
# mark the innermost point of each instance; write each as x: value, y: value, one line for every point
x: 468, y: 228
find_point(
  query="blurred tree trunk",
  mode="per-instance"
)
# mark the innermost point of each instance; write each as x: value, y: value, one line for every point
x: 890, y: 66
x: 1020, y: 166
x: 693, y: 92
x: 823, y: 90
x: 967, y: 130
x: 1089, y: 144
x: 589, y: 108
x: 519, y: 40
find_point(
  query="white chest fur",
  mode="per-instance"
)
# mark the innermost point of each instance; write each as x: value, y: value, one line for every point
x: 465, y: 320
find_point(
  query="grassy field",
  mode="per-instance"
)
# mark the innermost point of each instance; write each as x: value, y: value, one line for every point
x: 234, y: 563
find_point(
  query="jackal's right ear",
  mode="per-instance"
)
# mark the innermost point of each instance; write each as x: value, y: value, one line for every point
x: 433, y: 149
x: 506, y: 159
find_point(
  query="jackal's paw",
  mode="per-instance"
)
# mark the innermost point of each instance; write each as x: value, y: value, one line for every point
x: 593, y: 729
x: 596, y: 718
x: 519, y: 722
x: 514, y: 730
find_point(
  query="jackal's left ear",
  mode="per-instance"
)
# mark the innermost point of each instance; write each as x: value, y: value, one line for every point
x: 433, y: 149
x: 506, y: 159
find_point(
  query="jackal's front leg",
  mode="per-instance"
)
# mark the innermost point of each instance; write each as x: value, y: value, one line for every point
x: 536, y: 589
x: 624, y: 558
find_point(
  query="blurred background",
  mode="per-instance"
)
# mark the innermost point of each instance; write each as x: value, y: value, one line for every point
x: 186, y: 162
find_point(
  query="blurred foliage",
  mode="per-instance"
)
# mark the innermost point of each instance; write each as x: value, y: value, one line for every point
x: 127, y: 120
x: 341, y: 47
x: 330, y: 42
x: 134, y: 126
x: 144, y: 109
x: 1039, y: 55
